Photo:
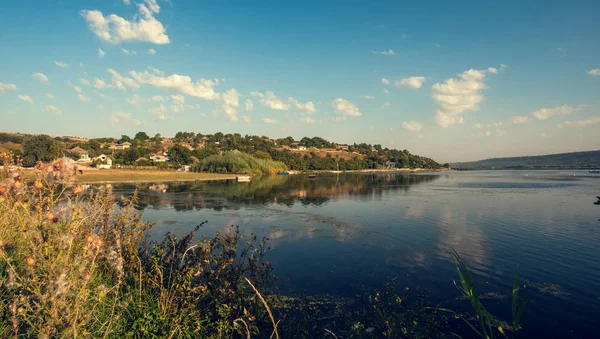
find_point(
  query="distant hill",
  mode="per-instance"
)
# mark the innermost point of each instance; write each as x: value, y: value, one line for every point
x: 575, y: 160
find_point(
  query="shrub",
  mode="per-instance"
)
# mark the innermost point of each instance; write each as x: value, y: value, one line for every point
x: 242, y: 163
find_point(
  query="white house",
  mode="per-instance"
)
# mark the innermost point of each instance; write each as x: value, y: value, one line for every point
x: 103, y: 161
x: 84, y: 156
x: 160, y: 157
x: 122, y: 146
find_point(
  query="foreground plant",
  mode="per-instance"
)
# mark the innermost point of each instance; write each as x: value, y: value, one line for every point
x: 486, y: 326
x: 73, y: 263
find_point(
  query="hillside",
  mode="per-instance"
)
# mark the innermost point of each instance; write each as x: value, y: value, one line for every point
x: 575, y: 160
x: 189, y: 148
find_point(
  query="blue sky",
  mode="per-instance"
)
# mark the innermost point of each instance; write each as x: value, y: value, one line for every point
x: 449, y: 80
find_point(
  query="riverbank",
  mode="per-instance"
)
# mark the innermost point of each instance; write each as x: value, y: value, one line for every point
x: 116, y: 176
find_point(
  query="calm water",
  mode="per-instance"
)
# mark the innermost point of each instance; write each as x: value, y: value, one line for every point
x: 340, y: 234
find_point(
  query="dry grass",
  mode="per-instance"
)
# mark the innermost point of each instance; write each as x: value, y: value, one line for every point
x: 114, y: 176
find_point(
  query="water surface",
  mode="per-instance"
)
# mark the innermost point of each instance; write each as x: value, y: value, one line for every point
x: 341, y: 234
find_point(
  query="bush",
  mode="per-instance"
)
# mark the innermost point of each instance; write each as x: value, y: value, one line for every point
x: 74, y: 264
x: 241, y: 163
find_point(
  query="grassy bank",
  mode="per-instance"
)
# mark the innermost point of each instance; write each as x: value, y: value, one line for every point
x: 115, y: 176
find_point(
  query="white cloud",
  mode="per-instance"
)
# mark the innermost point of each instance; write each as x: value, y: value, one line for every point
x: 128, y: 51
x: 478, y: 126
x: 160, y: 112
x: 270, y: 100
x: 49, y: 95
x: 249, y: 105
x: 546, y: 113
x: 503, y: 66
x: 119, y: 116
x: 386, y: 91
x: 202, y: 88
x: 151, y: 51
x: 594, y: 72
x: 156, y: 70
x: 412, y: 126
x: 307, y: 107
x: 308, y: 120
x: 53, y: 109
x: 413, y: 82
x: 115, y: 29
x: 559, y: 126
x: 98, y: 93
x: 99, y: 83
x: 83, y: 98
x: 269, y: 121
x: 61, y: 64
x: 520, y: 119
x: 367, y: 97
x: 246, y: 119
x: 458, y: 95
x: 345, y: 107
x: 101, y: 53
x: 492, y: 70
x: 385, y: 52
x: 497, y: 123
x: 157, y: 98
x: 40, y: 77
x: 500, y: 132
x: 178, y: 99
x: 385, y: 81
x: 7, y: 87
x: 386, y: 105
x: 127, y: 2
x: 26, y: 98
x: 76, y: 88
x: 86, y: 82
x: 582, y: 123
x: 134, y: 99
x: 121, y: 82
x: 231, y: 98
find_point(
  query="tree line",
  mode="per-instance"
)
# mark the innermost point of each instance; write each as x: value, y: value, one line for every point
x: 187, y: 148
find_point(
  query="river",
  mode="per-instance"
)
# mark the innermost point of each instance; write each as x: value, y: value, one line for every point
x: 341, y: 234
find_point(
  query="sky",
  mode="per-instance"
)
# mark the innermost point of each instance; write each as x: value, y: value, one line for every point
x: 450, y: 80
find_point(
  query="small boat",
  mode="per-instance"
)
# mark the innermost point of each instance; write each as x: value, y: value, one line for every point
x: 311, y: 176
x: 595, y: 171
x: 283, y: 173
x: 243, y: 178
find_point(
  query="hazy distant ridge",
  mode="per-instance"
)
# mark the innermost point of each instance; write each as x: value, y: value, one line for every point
x: 575, y: 160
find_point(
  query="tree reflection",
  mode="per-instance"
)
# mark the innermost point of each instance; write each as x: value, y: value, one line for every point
x: 262, y: 191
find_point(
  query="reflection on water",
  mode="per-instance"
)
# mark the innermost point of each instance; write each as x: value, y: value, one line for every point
x: 282, y: 190
x: 339, y: 234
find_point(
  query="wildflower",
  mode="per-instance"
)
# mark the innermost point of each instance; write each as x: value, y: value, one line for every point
x: 38, y: 184
x: 87, y: 276
x: 29, y: 261
x: 98, y: 242
x: 78, y: 189
x: 55, y: 220
x: 50, y: 216
x: 89, y: 238
x: 3, y: 189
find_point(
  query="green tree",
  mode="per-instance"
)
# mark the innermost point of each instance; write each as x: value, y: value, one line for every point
x: 37, y: 148
x: 179, y: 154
x: 124, y: 138
x: 141, y: 136
x: 57, y: 149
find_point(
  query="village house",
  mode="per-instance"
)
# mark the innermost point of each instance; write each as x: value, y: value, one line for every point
x: 122, y: 146
x: 159, y: 157
x: 342, y: 147
x: 103, y: 161
x: 390, y: 164
x: 84, y: 156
